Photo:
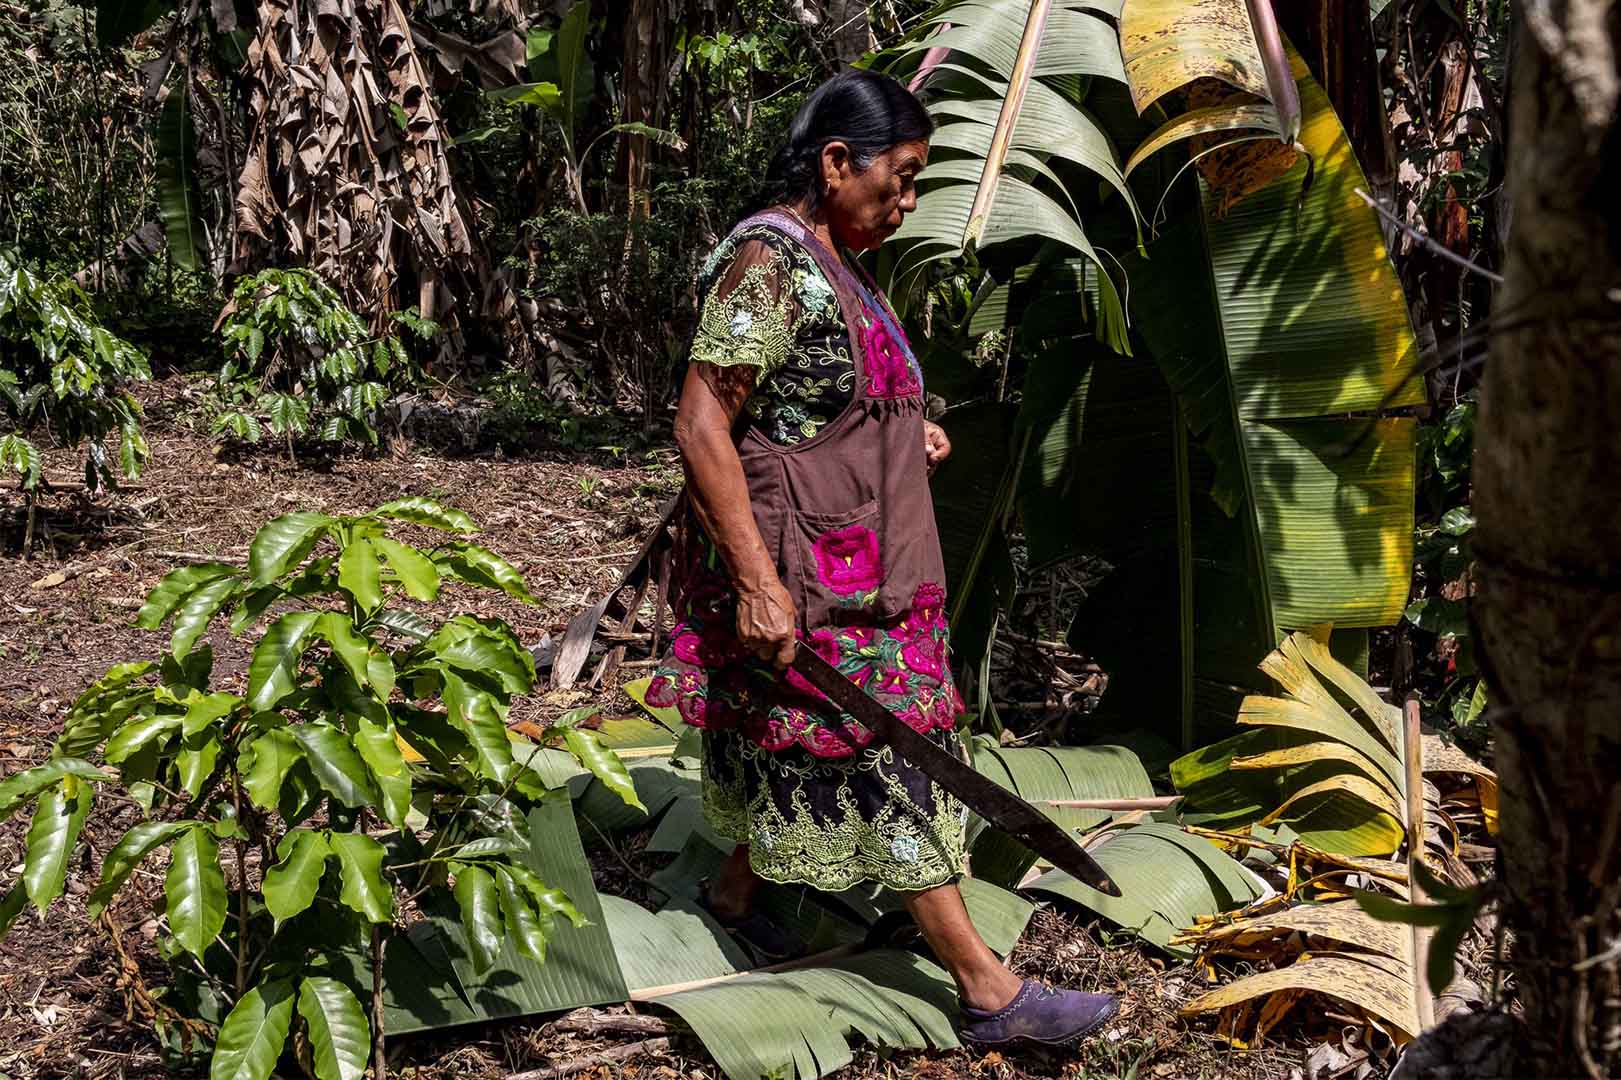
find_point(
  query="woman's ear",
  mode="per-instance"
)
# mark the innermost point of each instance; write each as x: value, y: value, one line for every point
x: 835, y: 165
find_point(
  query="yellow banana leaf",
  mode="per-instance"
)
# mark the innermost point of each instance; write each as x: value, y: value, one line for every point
x: 1365, y: 962
x: 1169, y: 43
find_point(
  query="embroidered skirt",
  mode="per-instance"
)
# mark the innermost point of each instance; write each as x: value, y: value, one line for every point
x: 834, y: 823
x: 815, y: 807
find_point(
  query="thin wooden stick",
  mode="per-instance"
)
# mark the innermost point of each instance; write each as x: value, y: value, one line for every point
x: 1413, y: 759
x: 379, y: 1048
x: 1158, y: 802
x: 838, y: 952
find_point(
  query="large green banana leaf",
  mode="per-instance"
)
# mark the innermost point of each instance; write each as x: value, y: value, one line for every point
x: 1167, y: 880
x: 1052, y: 140
x: 1268, y: 328
x: 1041, y: 775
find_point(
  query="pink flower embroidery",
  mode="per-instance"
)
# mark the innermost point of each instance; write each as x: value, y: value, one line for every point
x: 694, y: 709
x: 892, y: 681
x: 770, y: 733
x: 826, y: 645
x: 688, y: 648
x: 822, y: 742
x: 925, y: 656
x: 661, y: 692
x: 889, y: 372
x: 847, y: 560
x: 928, y: 603
x: 713, y: 648
x: 856, y: 637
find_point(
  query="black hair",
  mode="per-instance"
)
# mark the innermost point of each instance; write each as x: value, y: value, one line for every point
x: 868, y: 112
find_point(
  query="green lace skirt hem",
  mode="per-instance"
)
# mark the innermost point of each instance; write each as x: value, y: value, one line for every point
x: 834, y: 824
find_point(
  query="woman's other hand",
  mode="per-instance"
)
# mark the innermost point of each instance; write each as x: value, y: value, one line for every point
x: 765, y: 622
x: 936, y: 447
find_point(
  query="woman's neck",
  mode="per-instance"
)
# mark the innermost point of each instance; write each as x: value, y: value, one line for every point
x: 815, y: 221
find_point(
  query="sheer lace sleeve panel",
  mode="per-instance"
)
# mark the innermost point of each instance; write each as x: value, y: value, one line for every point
x: 748, y: 315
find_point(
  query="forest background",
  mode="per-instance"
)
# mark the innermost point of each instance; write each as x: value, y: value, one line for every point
x: 450, y: 251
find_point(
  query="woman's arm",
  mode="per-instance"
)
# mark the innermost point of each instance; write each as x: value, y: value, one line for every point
x: 711, y: 399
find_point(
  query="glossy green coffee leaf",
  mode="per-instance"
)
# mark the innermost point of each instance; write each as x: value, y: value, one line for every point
x: 290, y: 886
x: 420, y: 511
x: 126, y: 855
x: 175, y: 587
x: 195, y: 761
x: 206, y: 709
x: 194, y: 891
x: 480, y: 566
x: 18, y: 789
x: 270, y: 756
x: 476, y: 896
x: 379, y: 748
x: 603, y: 763
x: 273, y: 670
x: 104, y: 704
x: 340, y: 1037
x: 360, y: 575
x: 478, y: 715
x: 283, y: 543
x: 416, y: 572
x: 198, y: 609
x: 136, y: 735
x: 365, y: 889
x: 58, y: 819
x: 332, y: 758
x: 352, y: 649
x: 251, y: 1039
x: 527, y: 932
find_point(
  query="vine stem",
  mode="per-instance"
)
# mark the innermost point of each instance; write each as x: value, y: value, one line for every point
x: 378, y: 1051
x: 241, y: 893
x: 378, y: 1045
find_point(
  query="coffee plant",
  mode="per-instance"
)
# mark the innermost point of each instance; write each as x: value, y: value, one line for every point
x: 300, y: 361
x: 64, y: 374
x: 365, y: 763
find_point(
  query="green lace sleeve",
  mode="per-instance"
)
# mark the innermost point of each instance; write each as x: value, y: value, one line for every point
x: 748, y: 315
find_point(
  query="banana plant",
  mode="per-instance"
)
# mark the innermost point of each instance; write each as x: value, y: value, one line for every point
x: 1231, y: 453
x: 1015, y: 148
x: 302, y: 770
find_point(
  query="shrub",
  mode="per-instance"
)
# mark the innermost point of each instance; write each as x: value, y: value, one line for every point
x: 303, y: 772
x: 300, y: 360
x: 63, y: 373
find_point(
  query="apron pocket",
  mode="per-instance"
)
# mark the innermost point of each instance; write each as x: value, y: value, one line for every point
x: 840, y: 569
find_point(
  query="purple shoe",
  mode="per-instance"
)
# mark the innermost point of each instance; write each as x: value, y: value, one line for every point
x: 1042, y: 1014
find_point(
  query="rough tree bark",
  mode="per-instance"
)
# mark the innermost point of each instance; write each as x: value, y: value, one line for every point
x: 1548, y: 612
x: 641, y: 78
x: 851, y: 28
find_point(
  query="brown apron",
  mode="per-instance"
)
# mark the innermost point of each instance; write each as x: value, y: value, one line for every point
x: 847, y: 514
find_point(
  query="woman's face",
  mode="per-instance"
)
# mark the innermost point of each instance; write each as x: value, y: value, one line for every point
x: 864, y: 207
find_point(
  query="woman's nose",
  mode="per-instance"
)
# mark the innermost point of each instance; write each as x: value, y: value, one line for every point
x: 908, y: 199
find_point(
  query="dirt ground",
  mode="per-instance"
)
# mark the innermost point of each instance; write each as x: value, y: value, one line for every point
x: 74, y: 997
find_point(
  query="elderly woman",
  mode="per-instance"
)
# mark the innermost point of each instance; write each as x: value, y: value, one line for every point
x: 807, y: 456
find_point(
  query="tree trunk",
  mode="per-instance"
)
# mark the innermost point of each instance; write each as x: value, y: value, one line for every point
x: 641, y: 80
x: 1548, y: 613
x: 847, y: 22
x: 1336, y: 39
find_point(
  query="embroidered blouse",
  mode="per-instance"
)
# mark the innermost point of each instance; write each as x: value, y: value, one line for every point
x: 768, y: 305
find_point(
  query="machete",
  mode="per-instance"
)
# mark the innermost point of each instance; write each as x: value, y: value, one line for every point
x: 997, y: 805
